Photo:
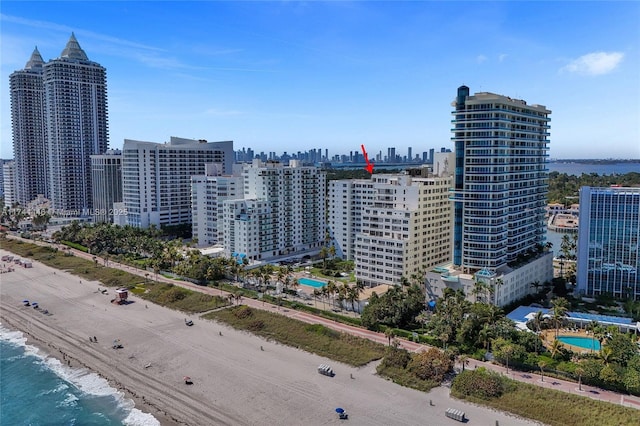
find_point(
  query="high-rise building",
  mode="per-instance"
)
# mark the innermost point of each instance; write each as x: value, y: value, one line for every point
x: 501, y: 179
x: 76, y: 120
x: 608, y: 242
x: 393, y: 226
x: 499, y: 198
x: 208, y: 192
x: 282, y: 213
x: 156, y: 178
x: 29, y: 130
x: 9, y: 183
x: 106, y: 177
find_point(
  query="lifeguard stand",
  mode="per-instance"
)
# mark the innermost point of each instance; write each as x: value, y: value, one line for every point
x: 121, y: 296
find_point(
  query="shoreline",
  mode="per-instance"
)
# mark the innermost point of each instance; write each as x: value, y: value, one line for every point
x: 49, y: 349
x: 234, y: 381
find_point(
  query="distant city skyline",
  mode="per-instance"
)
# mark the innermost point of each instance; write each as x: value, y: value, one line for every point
x: 292, y: 76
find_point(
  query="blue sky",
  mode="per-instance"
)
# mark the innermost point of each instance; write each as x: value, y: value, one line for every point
x: 291, y: 76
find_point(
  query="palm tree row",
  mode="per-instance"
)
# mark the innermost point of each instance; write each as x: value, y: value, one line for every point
x: 342, y: 292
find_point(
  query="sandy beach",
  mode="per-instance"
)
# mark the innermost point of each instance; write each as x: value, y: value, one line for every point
x: 234, y: 381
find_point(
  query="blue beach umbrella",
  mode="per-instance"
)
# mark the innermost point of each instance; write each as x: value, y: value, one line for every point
x: 339, y: 410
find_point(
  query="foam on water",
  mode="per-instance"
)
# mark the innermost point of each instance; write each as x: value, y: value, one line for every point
x: 87, y: 382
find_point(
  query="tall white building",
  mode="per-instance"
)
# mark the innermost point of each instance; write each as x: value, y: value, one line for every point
x: 9, y: 183
x: 106, y: 176
x: 393, y: 226
x: 501, y: 179
x: 282, y: 213
x: 499, y: 195
x: 208, y: 192
x: 156, y: 178
x: 75, y: 90
x: 29, y: 130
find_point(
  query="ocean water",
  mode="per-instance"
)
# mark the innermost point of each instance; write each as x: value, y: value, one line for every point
x: 578, y: 169
x: 36, y: 389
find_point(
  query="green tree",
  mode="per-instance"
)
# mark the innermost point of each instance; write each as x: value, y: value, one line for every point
x: 431, y: 364
x: 560, y: 309
x: 390, y: 334
x: 542, y: 365
x: 622, y: 348
x: 579, y: 371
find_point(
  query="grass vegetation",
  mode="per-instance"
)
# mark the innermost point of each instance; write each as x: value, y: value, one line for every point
x: 395, y: 366
x: 313, y: 338
x: 548, y: 406
x: 163, y: 294
x: 74, y: 265
x: 182, y: 299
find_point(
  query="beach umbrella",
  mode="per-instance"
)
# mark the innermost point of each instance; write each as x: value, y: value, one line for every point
x: 25, y: 301
x: 339, y: 410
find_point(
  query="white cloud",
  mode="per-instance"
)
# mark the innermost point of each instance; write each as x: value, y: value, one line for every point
x: 481, y: 58
x: 502, y: 57
x: 596, y: 63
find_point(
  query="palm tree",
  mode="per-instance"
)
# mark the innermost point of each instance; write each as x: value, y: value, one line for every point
x: 280, y: 277
x: 464, y: 360
x: 485, y: 335
x: 352, y: 296
x: 542, y: 364
x: 332, y: 289
x: 508, y: 351
x: 560, y: 308
x: 478, y: 289
x: 390, y: 334
x: 324, y: 252
x: 555, y: 348
x: 536, y: 285
x: 538, y: 319
x: 325, y: 293
x: 598, y: 332
x: 579, y: 372
x: 606, y: 354
x: 332, y: 251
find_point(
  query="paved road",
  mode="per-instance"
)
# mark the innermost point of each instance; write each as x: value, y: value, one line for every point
x: 535, y: 379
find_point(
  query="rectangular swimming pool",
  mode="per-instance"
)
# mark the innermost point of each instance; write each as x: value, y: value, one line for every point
x: 311, y: 283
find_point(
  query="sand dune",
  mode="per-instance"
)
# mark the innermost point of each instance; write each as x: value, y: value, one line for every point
x: 234, y: 381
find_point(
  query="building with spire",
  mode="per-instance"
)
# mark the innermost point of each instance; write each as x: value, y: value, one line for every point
x: 59, y: 119
x: 76, y: 121
x: 29, y: 131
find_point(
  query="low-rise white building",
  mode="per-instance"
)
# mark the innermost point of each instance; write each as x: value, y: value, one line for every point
x: 500, y: 288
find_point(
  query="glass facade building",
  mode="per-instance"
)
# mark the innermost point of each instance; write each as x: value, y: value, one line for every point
x: 501, y: 179
x: 608, y: 242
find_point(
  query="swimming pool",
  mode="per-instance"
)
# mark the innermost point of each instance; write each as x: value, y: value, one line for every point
x: 311, y: 283
x: 582, y: 342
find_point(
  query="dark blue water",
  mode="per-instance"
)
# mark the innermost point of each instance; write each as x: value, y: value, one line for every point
x: 38, y: 390
x: 578, y: 169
